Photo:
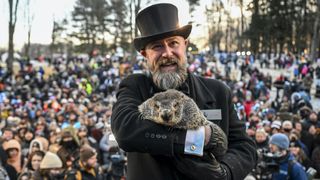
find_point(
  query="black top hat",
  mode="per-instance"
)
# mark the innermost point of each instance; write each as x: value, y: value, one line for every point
x: 159, y: 21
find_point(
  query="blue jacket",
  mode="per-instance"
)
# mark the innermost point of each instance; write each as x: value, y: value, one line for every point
x: 297, y: 172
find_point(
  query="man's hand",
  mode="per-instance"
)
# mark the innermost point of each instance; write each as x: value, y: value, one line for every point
x: 216, y: 140
x: 200, y: 168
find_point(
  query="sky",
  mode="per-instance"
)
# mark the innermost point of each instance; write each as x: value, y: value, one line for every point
x: 45, y: 11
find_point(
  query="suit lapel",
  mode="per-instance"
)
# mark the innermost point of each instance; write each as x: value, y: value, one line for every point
x: 203, y: 96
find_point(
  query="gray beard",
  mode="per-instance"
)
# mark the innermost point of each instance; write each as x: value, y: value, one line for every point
x: 169, y: 80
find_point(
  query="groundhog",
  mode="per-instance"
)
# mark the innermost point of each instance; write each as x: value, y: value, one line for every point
x: 173, y: 108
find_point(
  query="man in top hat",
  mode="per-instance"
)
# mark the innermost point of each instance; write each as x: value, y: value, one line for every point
x: 156, y: 151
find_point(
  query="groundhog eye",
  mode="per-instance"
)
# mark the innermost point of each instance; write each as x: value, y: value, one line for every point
x: 156, y: 106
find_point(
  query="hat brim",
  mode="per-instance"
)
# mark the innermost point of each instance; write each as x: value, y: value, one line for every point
x: 141, y: 42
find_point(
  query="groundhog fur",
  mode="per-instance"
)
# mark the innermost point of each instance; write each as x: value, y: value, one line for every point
x: 173, y: 108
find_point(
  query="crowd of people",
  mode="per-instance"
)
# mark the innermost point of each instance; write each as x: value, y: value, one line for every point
x: 57, y: 124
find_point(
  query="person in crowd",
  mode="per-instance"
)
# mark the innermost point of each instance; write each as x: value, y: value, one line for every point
x: 287, y: 127
x: 33, y: 163
x: 309, y: 124
x: 262, y: 139
x: 311, y: 120
x: 25, y: 176
x: 295, y: 136
x: 25, y: 144
x: 266, y: 124
x: 86, y: 168
x: 270, y: 114
x: 69, y: 150
x: 84, y: 138
x: 50, y: 168
x: 276, y: 127
x: 289, y: 167
x: 299, y: 154
x: 315, y: 155
x: 7, y: 134
x: 105, y: 145
x: 35, y: 145
x: 152, y: 148
x: 13, y: 152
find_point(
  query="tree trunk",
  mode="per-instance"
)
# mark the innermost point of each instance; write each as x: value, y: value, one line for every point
x: 132, y: 49
x: 137, y: 7
x: 12, y: 24
x: 28, y: 45
x: 315, y: 38
x: 242, y: 24
x: 29, y: 24
x: 10, y: 49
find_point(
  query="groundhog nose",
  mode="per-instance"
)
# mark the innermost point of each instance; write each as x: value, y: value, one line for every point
x: 166, y: 116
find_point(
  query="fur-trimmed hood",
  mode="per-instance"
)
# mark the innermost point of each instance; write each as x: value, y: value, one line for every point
x: 34, y: 142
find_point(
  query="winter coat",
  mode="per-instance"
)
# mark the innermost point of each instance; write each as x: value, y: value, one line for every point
x: 151, y: 146
x: 297, y: 171
x: 81, y: 173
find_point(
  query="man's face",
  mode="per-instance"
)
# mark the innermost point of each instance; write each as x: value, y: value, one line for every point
x: 35, y: 162
x: 7, y: 135
x: 298, y: 127
x: 313, y: 117
x: 82, y: 133
x: 273, y: 148
x: 92, y: 162
x: 287, y: 127
x: 166, y: 60
x: 260, y: 137
x: 13, y: 153
x: 28, y: 136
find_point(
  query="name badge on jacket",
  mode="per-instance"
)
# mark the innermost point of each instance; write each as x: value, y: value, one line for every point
x: 212, y: 114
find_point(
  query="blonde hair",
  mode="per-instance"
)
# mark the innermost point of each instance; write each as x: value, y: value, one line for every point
x: 261, y: 131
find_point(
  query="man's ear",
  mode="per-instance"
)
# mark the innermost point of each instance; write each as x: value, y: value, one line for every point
x: 186, y: 42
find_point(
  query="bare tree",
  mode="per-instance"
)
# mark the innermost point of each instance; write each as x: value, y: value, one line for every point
x: 13, y: 7
x: 315, y: 38
x: 90, y: 22
x: 242, y: 24
x: 134, y: 7
x: 192, y: 5
x: 29, y: 18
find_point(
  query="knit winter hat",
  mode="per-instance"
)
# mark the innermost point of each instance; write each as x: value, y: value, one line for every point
x: 280, y: 140
x: 86, y: 152
x: 50, y: 161
x: 276, y: 124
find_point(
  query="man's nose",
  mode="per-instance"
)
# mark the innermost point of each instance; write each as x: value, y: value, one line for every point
x: 167, y: 51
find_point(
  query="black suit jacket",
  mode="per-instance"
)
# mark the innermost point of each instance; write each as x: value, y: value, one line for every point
x: 150, y: 146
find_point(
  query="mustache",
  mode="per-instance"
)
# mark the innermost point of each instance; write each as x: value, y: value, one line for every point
x: 163, y: 61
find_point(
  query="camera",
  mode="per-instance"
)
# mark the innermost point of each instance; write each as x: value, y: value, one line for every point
x: 266, y: 165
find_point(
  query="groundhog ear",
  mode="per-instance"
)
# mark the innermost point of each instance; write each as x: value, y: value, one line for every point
x: 147, y: 103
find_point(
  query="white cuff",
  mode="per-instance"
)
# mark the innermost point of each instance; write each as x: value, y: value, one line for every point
x: 194, y: 143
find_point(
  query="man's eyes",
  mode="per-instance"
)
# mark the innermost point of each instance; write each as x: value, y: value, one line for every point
x: 172, y: 43
x: 156, y: 46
